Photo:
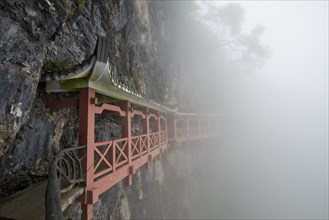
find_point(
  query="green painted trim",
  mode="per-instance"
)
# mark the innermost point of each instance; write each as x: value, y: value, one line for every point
x: 104, y: 88
x: 112, y: 91
x: 100, y: 80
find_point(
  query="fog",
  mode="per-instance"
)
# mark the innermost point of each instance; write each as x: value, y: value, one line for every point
x: 264, y: 67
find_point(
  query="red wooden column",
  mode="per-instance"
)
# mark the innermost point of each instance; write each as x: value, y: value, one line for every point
x: 126, y: 132
x: 199, y: 127
x: 166, y: 130
x: 217, y: 126
x: 171, y: 126
x: 146, y: 127
x: 205, y: 127
x: 208, y: 127
x: 187, y: 122
x: 158, y: 121
x: 174, y: 118
x: 166, y: 127
x: 87, y: 102
x: 158, y: 127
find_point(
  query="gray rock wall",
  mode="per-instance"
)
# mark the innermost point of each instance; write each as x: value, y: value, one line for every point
x: 43, y: 39
x: 47, y: 38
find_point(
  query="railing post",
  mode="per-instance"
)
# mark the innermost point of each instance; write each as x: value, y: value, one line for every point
x: 199, y: 128
x: 158, y: 127
x: 113, y: 156
x: 146, y: 128
x: 171, y: 126
x: 204, y: 128
x: 209, y: 128
x: 217, y: 127
x: 175, y: 126
x: 187, y: 122
x: 126, y: 133
x: 166, y: 127
x: 87, y: 103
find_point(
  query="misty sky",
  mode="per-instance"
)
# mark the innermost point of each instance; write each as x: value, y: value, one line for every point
x: 298, y: 33
x: 276, y: 118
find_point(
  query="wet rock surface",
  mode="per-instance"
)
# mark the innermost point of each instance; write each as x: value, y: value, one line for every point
x: 37, y: 37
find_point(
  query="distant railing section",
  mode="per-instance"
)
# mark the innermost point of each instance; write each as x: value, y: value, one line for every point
x: 181, y: 134
x: 195, y: 133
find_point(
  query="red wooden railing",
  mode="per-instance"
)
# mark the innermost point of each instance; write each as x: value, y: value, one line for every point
x: 108, y: 162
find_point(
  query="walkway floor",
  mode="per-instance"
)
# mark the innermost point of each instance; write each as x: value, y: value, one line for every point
x: 26, y: 204
x: 30, y: 203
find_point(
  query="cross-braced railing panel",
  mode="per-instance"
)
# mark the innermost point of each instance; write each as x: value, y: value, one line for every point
x: 103, y: 159
x: 181, y: 134
x: 213, y: 131
x: 135, y: 147
x: 138, y: 146
x: 154, y: 140
x: 204, y: 131
x: 120, y: 155
x: 193, y: 132
x: 143, y: 144
x: 162, y: 137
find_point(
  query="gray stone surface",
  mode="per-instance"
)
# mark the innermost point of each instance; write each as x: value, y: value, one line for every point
x: 37, y: 37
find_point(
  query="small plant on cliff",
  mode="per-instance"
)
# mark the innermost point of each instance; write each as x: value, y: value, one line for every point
x: 81, y: 3
x: 52, y: 66
x: 138, y: 81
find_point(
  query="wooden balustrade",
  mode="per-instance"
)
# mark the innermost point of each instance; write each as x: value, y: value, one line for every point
x: 108, y: 162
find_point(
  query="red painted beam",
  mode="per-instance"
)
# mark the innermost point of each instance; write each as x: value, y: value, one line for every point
x: 108, y: 107
x: 137, y: 112
x: 66, y: 103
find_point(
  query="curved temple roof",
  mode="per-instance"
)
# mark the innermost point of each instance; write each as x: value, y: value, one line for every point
x: 99, y: 76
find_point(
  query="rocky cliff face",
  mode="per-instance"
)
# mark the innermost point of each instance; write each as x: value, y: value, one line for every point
x: 41, y: 39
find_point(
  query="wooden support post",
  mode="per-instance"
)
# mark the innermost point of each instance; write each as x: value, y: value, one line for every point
x: 146, y: 127
x: 209, y: 128
x: 158, y: 128
x: 150, y: 158
x: 187, y: 122
x: 165, y: 123
x: 86, y: 137
x: 113, y: 157
x: 166, y: 129
x: 171, y: 126
x: 158, y: 122
x: 87, y: 211
x: 199, y: 128
x: 204, y: 127
x: 174, y: 118
x: 217, y: 127
x: 126, y: 132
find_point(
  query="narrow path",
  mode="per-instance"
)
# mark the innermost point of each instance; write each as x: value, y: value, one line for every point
x: 25, y: 204
x: 30, y: 203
